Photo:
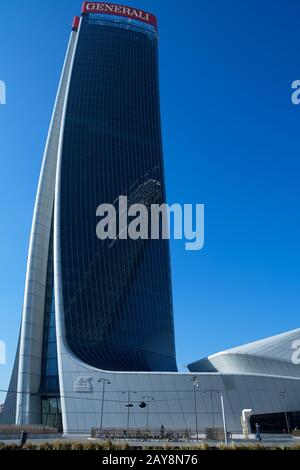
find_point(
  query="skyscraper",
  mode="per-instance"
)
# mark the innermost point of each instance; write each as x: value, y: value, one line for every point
x: 99, y: 312
x: 113, y: 299
x: 116, y: 297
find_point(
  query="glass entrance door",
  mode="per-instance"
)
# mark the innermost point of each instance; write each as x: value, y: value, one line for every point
x: 51, y: 412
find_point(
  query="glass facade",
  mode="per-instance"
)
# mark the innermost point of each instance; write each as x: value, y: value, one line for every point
x: 51, y: 412
x: 276, y: 423
x: 116, y: 294
x: 49, y: 375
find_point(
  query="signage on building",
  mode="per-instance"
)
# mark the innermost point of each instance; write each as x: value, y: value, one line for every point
x: 83, y: 385
x: 119, y: 10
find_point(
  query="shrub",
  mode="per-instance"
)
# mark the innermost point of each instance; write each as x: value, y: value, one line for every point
x: 108, y: 445
x: 46, y: 446
x: 295, y: 447
x: 125, y: 446
x: 76, y: 445
x: 91, y: 446
x: 62, y: 445
x: 29, y: 446
x: 203, y: 446
x: 9, y: 446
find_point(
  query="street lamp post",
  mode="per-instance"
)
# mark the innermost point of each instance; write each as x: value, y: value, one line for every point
x: 19, y: 414
x: 129, y: 405
x: 211, y: 391
x: 104, y: 382
x: 224, y: 421
x: 148, y: 399
x: 212, y: 408
x: 212, y: 405
x: 195, y: 385
x: 282, y: 394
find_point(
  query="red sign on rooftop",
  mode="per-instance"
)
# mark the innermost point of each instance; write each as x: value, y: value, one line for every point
x: 119, y: 10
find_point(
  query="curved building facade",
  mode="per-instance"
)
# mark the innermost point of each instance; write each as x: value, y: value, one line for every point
x: 98, y: 314
x: 114, y: 298
x: 111, y: 146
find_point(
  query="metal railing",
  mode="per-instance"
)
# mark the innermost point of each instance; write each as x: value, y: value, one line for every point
x: 30, y: 429
x: 143, y: 434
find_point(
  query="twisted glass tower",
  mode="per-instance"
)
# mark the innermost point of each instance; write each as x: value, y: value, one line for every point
x: 110, y: 303
x: 116, y: 296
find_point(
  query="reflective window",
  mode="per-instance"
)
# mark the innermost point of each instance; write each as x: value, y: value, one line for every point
x: 49, y: 376
x: 51, y: 412
x: 117, y: 296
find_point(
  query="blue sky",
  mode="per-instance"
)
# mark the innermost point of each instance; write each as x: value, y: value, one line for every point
x: 231, y: 141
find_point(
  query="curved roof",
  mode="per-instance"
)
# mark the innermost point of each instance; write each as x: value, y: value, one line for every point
x: 276, y: 355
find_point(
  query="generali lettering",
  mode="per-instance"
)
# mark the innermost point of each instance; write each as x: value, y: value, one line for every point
x: 118, y: 10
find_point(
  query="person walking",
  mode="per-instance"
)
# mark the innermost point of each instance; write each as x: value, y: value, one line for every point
x: 258, y: 435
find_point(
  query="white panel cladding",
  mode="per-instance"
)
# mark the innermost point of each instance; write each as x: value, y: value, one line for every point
x: 173, y: 392
x: 173, y: 404
x: 270, y: 356
x: 246, y: 363
x: 58, y: 295
x: 28, y: 407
